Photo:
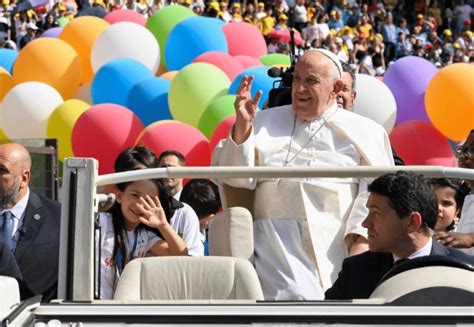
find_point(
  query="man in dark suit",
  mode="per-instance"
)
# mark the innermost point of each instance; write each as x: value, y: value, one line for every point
x: 29, y: 223
x: 402, y: 213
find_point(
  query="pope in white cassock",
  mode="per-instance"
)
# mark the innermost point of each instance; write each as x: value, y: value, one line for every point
x: 304, y: 228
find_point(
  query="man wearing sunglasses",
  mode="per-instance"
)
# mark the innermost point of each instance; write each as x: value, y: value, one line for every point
x: 464, y: 237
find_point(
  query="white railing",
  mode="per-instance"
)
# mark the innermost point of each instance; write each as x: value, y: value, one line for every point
x: 279, y: 172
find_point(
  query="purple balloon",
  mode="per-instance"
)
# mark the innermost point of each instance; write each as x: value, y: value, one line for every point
x: 52, y: 32
x: 408, y: 79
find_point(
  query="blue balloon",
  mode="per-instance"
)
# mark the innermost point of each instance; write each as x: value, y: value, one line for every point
x: 191, y: 38
x: 7, y: 59
x: 113, y: 81
x: 261, y: 82
x: 148, y: 99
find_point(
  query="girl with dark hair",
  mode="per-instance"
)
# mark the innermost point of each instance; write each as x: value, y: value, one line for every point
x: 136, y: 226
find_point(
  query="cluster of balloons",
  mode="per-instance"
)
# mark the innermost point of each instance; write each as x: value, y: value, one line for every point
x: 169, y: 82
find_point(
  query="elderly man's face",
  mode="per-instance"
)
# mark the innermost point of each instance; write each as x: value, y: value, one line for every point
x: 346, y: 97
x: 313, y: 86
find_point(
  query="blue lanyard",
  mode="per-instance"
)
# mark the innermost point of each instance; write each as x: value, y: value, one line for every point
x: 119, y: 256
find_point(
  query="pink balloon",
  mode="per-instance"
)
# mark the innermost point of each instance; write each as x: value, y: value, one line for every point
x: 247, y: 61
x: 420, y: 143
x: 244, y: 39
x: 175, y: 135
x: 103, y: 131
x: 222, y: 131
x: 228, y: 64
x: 125, y: 15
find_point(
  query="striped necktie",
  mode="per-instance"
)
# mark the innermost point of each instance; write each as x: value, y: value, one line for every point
x: 6, y: 230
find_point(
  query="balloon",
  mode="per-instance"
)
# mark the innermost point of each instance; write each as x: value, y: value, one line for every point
x: 125, y: 15
x: 103, y: 131
x: 81, y: 33
x: 126, y: 40
x: 191, y: 143
x: 84, y: 93
x: 148, y: 99
x: 218, y: 110
x: 450, y: 100
x: 114, y: 81
x: 248, y: 62
x: 261, y: 82
x: 50, y: 61
x: 245, y: 39
x: 222, y: 131
x: 169, y: 75
x: 374, y: 100
x: 408, y: 79
x: 193, y: 88
x: 163, y: 21
x: 419, y: 143
x: 53, y: 32
x: 61, y: 122
x: 7, y: 59
x: 26, y: 109
x: 161, y: 71
x: 276, y: 59
x: 6, y: 83
x: 191, y: 38
x: 222, y: 60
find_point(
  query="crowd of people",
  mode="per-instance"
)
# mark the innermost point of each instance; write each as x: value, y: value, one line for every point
x: 368, y: 35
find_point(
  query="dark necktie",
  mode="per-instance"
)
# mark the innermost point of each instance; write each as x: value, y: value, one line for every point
x: 6, y: 229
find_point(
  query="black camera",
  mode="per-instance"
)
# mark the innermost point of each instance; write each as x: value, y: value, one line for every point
x: 280, y: 95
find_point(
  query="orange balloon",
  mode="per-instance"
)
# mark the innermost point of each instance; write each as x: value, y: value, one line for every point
x: 50, y: 61
x: 449, y: 100
x: 81, y: 33
x: 170, y: 75
x: 6, y: 82
x: 161, y: 70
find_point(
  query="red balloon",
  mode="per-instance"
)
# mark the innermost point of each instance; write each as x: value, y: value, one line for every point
x: 228, y: 64
x: 125, y: 15
x: 103, y: 131
x: 222, y: 131
x: 247, y: 61
x: 420, y: 143
x: 244, y: 39
x: 175, y: 135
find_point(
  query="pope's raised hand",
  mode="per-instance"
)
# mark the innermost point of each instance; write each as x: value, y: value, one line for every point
x: 245, y: 110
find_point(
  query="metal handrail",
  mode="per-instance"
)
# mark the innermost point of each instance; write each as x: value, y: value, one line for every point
x: 279, y: 172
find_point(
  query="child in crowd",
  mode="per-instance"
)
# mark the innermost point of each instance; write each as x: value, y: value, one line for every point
x: 203, y: 196
x: 450, y: 193
x: 137, y: 225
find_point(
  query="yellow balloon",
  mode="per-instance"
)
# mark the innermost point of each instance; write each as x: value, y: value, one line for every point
x: 61, y: 122
x: 6, y: 82
x: 50, y: 61
x: 449, y: 100
x: 81, y: 33
x: 169, y: 75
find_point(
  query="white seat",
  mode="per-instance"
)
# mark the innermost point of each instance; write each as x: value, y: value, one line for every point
x: 231, y: 234
x: 10, y: 295
x: 188, y: 278
x: 431, y: 285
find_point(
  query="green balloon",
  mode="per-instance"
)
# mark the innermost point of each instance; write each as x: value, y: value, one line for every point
x: 275, y: 59
x: 193, y: 88
x: 218, y: 110
x: 163, y: 21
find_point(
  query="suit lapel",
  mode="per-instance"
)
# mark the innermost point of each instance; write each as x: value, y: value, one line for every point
x: 31, y: 222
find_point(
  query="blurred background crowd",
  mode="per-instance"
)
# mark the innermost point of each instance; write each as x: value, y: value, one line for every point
x: 369, y: 35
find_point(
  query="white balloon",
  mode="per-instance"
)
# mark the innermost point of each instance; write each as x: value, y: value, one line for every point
x: 84, y: 93
x: 375, y: 101
x: 126, y: 40
x: 26, y: 109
